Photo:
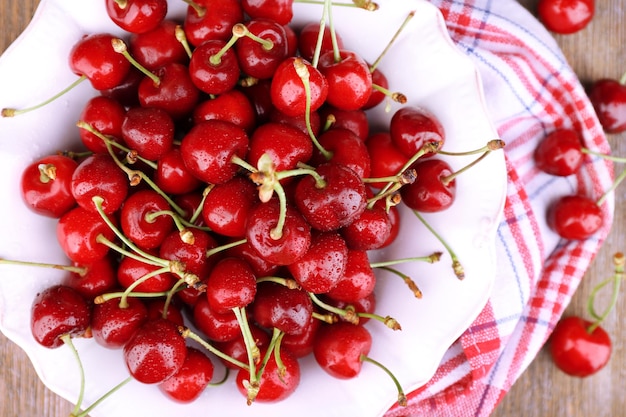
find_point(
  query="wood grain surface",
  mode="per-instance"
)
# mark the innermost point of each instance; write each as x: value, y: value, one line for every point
x: 542, y: 391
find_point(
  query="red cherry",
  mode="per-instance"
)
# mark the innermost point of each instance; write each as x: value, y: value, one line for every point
x: 307, y: 40
x: 214, y: 75
x: 370, y: 230
x: 176, y: 92
x: 206, y: 20
x: 93, y: 56
x: 565, y: 16
x: 301, y: 345
x: 216, y: 326
x: 98, y: 277
x: 385, y: 158
x: 99, y: 176
x: 255, y: 58
x: 286, y: 145
x: 349, y: 79
x: 140, y: 222
x: 231, y: 284
x: 355, y: 121
x: 609, y: 101
x: 227, y: 206
x: 137, y: 16
x: 236, y: 348
x: 280, y: 11
x: 126, y: 91
x: 299, y: 122
x: 575, y: 217
x: 347, y: 149
x: 412, y: 127
x: 323, y: 265
x: 377, y: 96
x: 575, y: 350
x: 287, y: 89
x: 192, y: 254
x: 339, y: 349
x: 58, y: 311
x: 78, y: 232
x: 112, y: 326
x: 259, y: 95
x: 46, y: 185
x: 106, y: 115
x: 155, y: 352
x: 191, y: 379
x: 209, y: 147
x: 559, y: 153
x: 431, y: 191
x: 231, y: 106
x: 172, y: 176
x: 366, y: 304
x: 293, y: 242
x: 261, y: 266
x: 336, y: 204
x: 276, y: 383
x: 158, y: 47
x: 173, y: 313
x: 277, y: 306
x: 149, y: 131
x: 358, y: 280
x: 131, y: 270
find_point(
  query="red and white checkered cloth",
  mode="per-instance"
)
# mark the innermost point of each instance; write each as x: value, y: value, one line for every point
x: 530, y: 90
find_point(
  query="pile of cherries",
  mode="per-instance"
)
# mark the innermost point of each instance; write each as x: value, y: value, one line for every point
x: 228, y: 182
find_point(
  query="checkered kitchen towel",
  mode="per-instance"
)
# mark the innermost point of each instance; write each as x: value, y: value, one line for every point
x: 530, y: 91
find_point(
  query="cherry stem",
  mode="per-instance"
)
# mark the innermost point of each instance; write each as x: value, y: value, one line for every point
x: 124, y: 299
x: 170, y: 295
x: 622, y: 79
x: 402, y: 401
x: 303, y: 72
x: 290, y: 283
x: 252, y: 351
x: 239, y: 30
x: 348, y: 314
x: 121, y: 3
x: 619, y: 260
x: 75, y: 269
x: 67, y: 340
x: 120, y: 47
x: 396, y: 96
x: 492, y: 145
x: 406, y: 177
x: 431, y: 259
x: 447, y: 179
x: 224, y: 247
x: 612, y: 188
x: 456, y: 264
x: 113, y: 390
x: 188, y: 334
x: 102, y: 298
x: 407, y: 280
x: 320, y: 35
x: 223, y: 380
x: 200, y: 10
x: 333, y: 34
x: 266, y: 44
x: 181, y: 37
x: 10, y: 112
x: 406, y: 20
x: 181, y: 224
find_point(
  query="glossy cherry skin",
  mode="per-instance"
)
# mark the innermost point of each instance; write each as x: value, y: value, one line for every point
x: 176, y: 92
x: 98, y: 277
x: 112, y: 326
x: 280, y: 11
x: 347, y: 149
x: 106, y: 115
x: 254, y: 59
x: 368, y: 231
x: 576, y: 351
x: 149, y: 131
x: 236, y: 348
x: 274, y: 385
x: 355, y: 121
x: 349, y: 79
x: 608, y: 98
x: 377, y: 96
x: 565, y: 16
x: 45, y: 185
x: 138, y: 220
x: 217, y: 327
x: 94, y: 57
x: 214, y: 78
x: 287, y: 89
x: 284, y: 144
x: 430, y: 192
x: 158, y: 47
x: 137, y: 16
x: 337, y: 204
x: 77, y: 233
x: 261, y: 266
x: 131, y: 270
x: 99, y: 176
x: 575, y: 217
x: 231, y: 106
x: 227, y: 206
x: 172, y: 176
x: 358, y: 280
x: 323, y: 265
x: 277, y: 306
x: 231, y: 284
x: 339, y: 349
x: 412, y: 127
x: 307, y: 40
x: 302, y: 344
x: 192, y: 255
x: 559, y: 153
x: 209, y: 147
x: 174, y: 313
x: 385, y: 158
x: 286, y: 249
x: 57, y: 311
x: 155, y: 352
x: 215, y: 21
x: 192, y: 378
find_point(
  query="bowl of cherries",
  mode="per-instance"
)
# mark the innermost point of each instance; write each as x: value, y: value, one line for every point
x: 256, y: 207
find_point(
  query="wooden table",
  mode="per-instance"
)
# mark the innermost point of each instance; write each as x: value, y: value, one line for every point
x: 542, y: 391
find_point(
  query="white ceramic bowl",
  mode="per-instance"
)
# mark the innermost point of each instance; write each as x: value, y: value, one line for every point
x: 423, y: 63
